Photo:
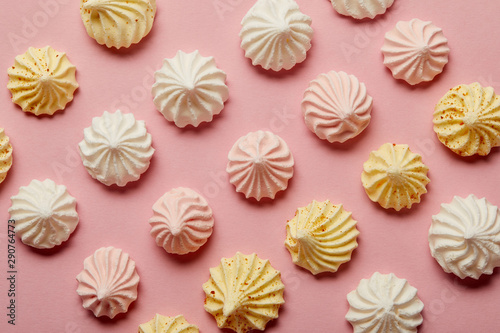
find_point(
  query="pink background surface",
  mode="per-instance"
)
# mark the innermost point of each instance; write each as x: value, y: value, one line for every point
x: 46, y: 147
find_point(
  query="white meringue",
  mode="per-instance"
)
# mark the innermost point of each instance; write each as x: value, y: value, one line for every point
x: 243, y: 293
x: 108, y: 282
x: 164, y: 324
x: 5, y: 155
x: 336, y: 106
x: 45, y: 214
x: 415, y: 51
x: 260, y: 164
x: 275, y: 34
x: 116, y: 149
x: 118, y: 23
x: 189, y: 89
x: 360, y: 9
x: 182, y: 221
x: 464, y: 237
x: 384, y: 303
x: 42, y: 81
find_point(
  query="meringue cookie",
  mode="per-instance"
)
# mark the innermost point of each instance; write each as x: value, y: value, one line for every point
x: 5, y: 155
x: 464, y: 237
x: 45, y: 214
x: 108, y: 282
x: 118, y: 23
x: 116, y: 149
x: 164, y: 324
x: 384, y: 303
x: 467, y: 120
x: 321, y: 237
x: 360, y: 9
x: 336, y: 106
x: 394, y: 177
x: 415, y: 51
x: 182, y: 221
x: 260, y: 164
x: 189, y: 89
x: 243, y: 293
x: 42, y: 81
x: 275, y: 34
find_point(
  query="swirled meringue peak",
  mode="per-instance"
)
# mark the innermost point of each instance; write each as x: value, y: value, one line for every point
x: 189, y: 89
x: 275, y: 34
x: 243, y: 293
x: 5, y: 155
x: 260, y: 164
x: 116, y: 149
x: 42, y: 81
x: 415, y: 51
x: 108, y: 282
x: 336, y: 106
x: 384, y: 304
x: 360, y: 9
x: 321, y: 237
x: 394, y: 177
x: 182, y: 221
x: 45, y: 214
x: 467, y: 119
x: 164, y: 324
x: 118, y: 23
x: 464, y: 237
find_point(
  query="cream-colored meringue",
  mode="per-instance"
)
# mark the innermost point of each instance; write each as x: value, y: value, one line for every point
x: 360, y: 9
x: 394, y: 177
x: 108, y: 282
x: 464, y: 237
x: 275, y: 34
x: 384, y: 304
x: 45, y: 214
x: 415, y: 51
x: 467, y: 119
x: 260, y: 164
x: 182, y: 221
x: 164, y: 324
x: 118, y: 23
x: 321, y: 237
x: 336, y: 106
x: 189, y: 89
x: 5, y: 155
x: 243, y: 293
x: 116, y: 149
x: 42, y: 81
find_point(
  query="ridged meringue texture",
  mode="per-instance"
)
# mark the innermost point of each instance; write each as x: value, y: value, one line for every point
x: 5, y: 155
x: 384, y: 304
x: 243, y: 293
x: 42, y: 81
x: 108, y: 282
x: 182, y: 221
x: 275, y: 34
x: 260, y: 164
x: 415, y: 51
x: 118, y: 23
x: 189, y: 89
x: 360, y: 9
x: 164, y: 324
x: 336, y: 106
x: 394, y: 177
x: 467, y: 119
x: 321, y: 237
x: 45, y: 214
x: 116, y: 149
x: 464, y: 237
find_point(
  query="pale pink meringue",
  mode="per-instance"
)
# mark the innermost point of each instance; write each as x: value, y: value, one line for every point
x: 415, y: 51
x: 182, y: 221
x: 336, y: 106
x: 260, y: 164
